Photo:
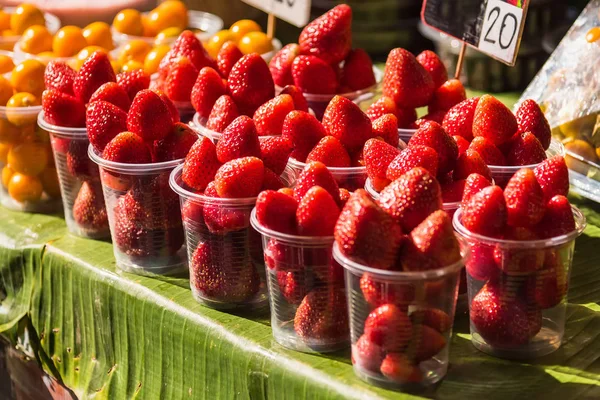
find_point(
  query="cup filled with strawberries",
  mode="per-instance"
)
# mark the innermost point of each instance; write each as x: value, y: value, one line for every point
x: 522, y: 240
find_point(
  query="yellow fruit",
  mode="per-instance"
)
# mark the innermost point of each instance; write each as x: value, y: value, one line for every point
x: 583, y: 149
x: 7, y: 173
x: 255, y: 42
x: 8, y: 33
x: 129, y: 22
x: 4, y: 149
x: 22, y: 99
x: 6, y: 64
x: 593, y: 34
x: 215, y: 43
x: 4, y: 21
x: 116, y: 66
x: 28, y: 77
x: 167, y: 35
x: 135, y: 50
x: 6, y: 91
x: 14, y: 109
x: 26, y: 15
x: 132, y: 65
x: 9, y: 133
x: 28, y: 158
x: 83, y: 55
x: 49, y: 180
x: 46, y: 56
x: 170, y: 14
x: 98, y: 34
x: 154, y: 57
x: 25, y: 188
x: 68, y: 41
x: 242, y: 27
x: 36, y: 39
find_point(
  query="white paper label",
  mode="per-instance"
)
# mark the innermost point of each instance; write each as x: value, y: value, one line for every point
x: 500, y: 31
x: 296, y: 12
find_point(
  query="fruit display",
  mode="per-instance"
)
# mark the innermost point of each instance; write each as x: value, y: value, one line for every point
x: 522, y: 240
x: 402, y: 263
x: 306, y: 286
x: 29, y: 181
x: 15, y: 22
x: 247, y: 36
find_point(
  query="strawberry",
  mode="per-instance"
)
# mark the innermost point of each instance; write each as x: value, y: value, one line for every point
x: 78, y: 163
x: 471, y: 163
x: 221, y: 220
x: 447, y: 96
x: 364, y: 232
x: 406, y: 81
x: 281, y: 256
x: 473, y: 184
x: 389, y: 327
x: 548, y: 287
x: 411, y: 157
x: 553, y: 176
x: 250, y: 83
x: 426, y: 343
x: 331, y: 152
x: 272, y: 181
x: 525, y: 149
x: 201, y: 164
x: 313, y: 75
x: 127, y: 147
x: 227, y: 57
x: 269, y: 117
x: 317, y: 213
x: 208, y: 87
x: 63, y: 109
x: 328, y: 37
x: 315, y: 174
x: 89, y: 211
x: 485, y: 212
x: 383, y: 105
x: 378, y: 293
x: 112, y: 93
x: 240, y: 178
x: 192, y: 213
x: 176, y: 144
x: 462, y: 144
x: 149, y: 117
x: 180, y: 80
x: 133, y: 81
x: 292, y: 285
x: 104, y: 121
x: 367, y: 354
x: 344, y: 196
x: 431, y: 317
x: 515, y: 261
x: 93, y: 73
x: 304, y: 131
x: 433, y: 135
x: 435, y: 116
x: 488, y: 151
x: 276, y: 211
x: 378, y: 155
x: 297, y: 96
x: 452, y: 192
x: 170, y: 105
x: 482, y: 265
x: 186, y: 45
x: 281, y: 64
x: 524, y: 199
x: 239, y: 139
x: 318, y: 316
x: 223, y: 112
x: 558, y: 219
x: 431, y: 62
x: 357, y: 73
x: 59, y: 76
x: 397, y: 367
x: 530, y: 118
x: 344, y: 120
x: 493, y: 120
x: 275, y: 152
x: 458, y: 121
x: 386, y: 127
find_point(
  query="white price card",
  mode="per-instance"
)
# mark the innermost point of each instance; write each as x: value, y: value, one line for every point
x: 500, y: 31
x: 296, y: 12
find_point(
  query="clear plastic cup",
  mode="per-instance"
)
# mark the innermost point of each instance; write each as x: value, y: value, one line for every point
x: 84, y: 208
x: 406, y: 133
x: 305, y: 284
x: 143, y: 215
x: 8, y: 42
x: 29, y: 181
x: 527, y: 283
x: 416, y: 341
x: 351, y: 178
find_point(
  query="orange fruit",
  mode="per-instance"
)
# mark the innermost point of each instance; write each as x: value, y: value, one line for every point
x: 25, y: 15
x: 154, y: 57
x: 255, y: 42
x: 25, y: 188
x: 4, y: 21
x: 6, y: 91
x: 68, y: 41
x: 217, y: 41
x: 4, y: 149
x: 167, y: 35
x: 98, y: 34
x: 593, y: 34
x: 135, y: 50
x: 9, y: 133
x: 6, y: 64
x: 83, y: 55
x: 242, y: 27
x: 49, y: 180
x: 28, y: 158
x: 28, y: 77
x: 129, y: 22
x: 169, y: 14
x: 36, y: 39
x: 7, y: 173
x: 132, y: 65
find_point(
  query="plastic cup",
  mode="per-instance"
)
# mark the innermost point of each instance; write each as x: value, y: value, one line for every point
x: 85, y: 216
x: 199, y: 125
x: 143, y: 215
x: 418, y: 345
x: 305, y: 284
x: 8, y: 42
x: 351, y: 178
x: 406, y: 133
x: 529, y: 281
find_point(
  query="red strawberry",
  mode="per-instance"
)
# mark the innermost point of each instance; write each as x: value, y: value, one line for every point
x: 485, y: 212
x: 462, y: 144
x: 223, y: 113
x: 433, y: 135
x: 328, y: 37
x: 493, y: 120
x: 318, y: 317
x: 78, y: 163
x: 378, y: 155
x: 192, y: 213
x: 170, y: 105
x: 488, y: 151
x: 221, y: 220
x: 269, y: 117
x: 530, y: 118
x: 515, y: 261
x: 297, y: 96
x: 344, y: 120
x: 317, y: 213
x: 471, y: 163
x: 313, y: 75
x: 304, y: 131
x: 406, y: 81
x: 553, y: 176
x: 176, y: 144
x: 525, y: 149
x: 127, y: 147
x: 447, y: 96
x: 89, y: 211
x: 558, y: 219
x: 201, y: 164
x: 112, y: 93
x: 452, y: 192
x: 180, y: 79
x: 227, y: 57
x: 524, y: 199
x: 458, y: 121
x: 104, y: 121
x: 276, y: 211
x: 548, y: 287
x: 411, y: 157
x: 482, y: 265
x: 272, y: 181
x: 238, y: 140
x: 62, y: 109
x: 389, y: 327
x: 186, y: 45
x: 275, y: 152
x: 208, y: 87
x: 250, y: 83
x: 331, y: 152
x: 344, y: 196
x: 432, y: 317
x: 94, y: 72
x: 398, y: 368
x: 133, y: 81
x: 384, y: 105
x: 315, y: 174
x: 473, y: 184
x: 281, y: 64
x: 367, y: 354
x: 240, y: 178
x: 431, y: 62
x: 357, y: 73
x: 149, y: 117
x: 386, y: 127
x: 377, y: 293
x: 292, y: 285
x: 59, y: 76
x: 426, y: 343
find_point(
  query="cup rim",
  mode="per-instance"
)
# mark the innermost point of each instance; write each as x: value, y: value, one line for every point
x: 292, y: 162
x: 61, y: 131
x: 131, y: 169
x: 452, y: 206
x: 286, y: 237
x: 580, y: 225
x: 31, y: 110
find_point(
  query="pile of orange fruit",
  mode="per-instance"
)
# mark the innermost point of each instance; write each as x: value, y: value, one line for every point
x: 248, y: 36
x: 167, y: 20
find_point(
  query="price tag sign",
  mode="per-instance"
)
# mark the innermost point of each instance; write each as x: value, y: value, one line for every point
x: 493, y: 27
x: 296, y: 12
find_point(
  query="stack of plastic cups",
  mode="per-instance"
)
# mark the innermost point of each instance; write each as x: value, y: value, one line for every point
x: 143, y: 215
